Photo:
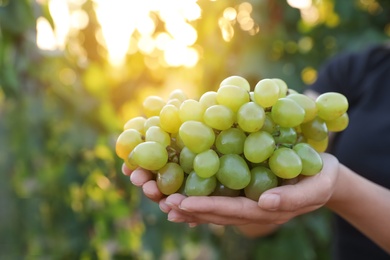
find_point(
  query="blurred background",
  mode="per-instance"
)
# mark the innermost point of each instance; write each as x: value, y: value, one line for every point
x: 72, y: 72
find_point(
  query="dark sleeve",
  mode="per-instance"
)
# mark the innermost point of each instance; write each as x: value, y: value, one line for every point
x: 343, y: 74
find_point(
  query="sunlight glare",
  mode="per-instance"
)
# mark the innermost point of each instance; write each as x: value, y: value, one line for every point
x: 300, y: 4
x: 117, y: 20
x: 46, y: 39
x: 59, y: 10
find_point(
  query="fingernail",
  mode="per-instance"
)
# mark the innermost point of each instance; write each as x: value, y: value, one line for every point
x: 174, y: 219
x: 269, y: 201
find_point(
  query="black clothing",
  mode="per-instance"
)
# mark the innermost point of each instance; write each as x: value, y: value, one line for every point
x: 364, y: 78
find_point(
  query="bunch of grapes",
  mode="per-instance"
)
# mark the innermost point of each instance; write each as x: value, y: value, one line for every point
x: 233, y: 141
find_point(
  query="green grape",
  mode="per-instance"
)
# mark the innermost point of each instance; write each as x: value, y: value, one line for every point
x: 186, y: 159
x: 178, y: 94
x: 232, y: 96
x: 149, y: 155
x: 283, y: 88
x: 319, y: 146
x: 331, y: 105
x: 130, y: 164
x: 259, y: 146
x: 222, y: 190
x: 315, y: 129
x: 169, y: 119
x: 236, y: 81
x: 285, y: 163
x: 151, y: 121
x: 262, y: 179
x: 206, y: 163
x: 197, y: 136
x: 266, y: 92
x: 152, y: 105
x: 198, y: 186
x: 308, y: 104
x: 230, y: 141
x: 339, y: 124
x: 269, y: 124
x: 250, y: 117
x: 285, y: 135
x: 175, y: 102
x: 219, y: 117
x: 155, y: 133
x: 208, y: 99
x: 136, y: 123
x: 126, y: 142
x: 170, y: 178
x: 311, y: 160
x: 177, y: 142
x: 287, y: 113
x: 191, y: 110
x: 233, y: 172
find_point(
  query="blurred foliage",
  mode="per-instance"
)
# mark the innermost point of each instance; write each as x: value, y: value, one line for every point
x: 62, y: 194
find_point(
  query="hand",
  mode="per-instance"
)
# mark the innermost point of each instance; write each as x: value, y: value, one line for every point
x: 275, y: 206
x: 144, y: 178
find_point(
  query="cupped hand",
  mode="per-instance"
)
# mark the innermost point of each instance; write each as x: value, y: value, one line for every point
x: 275, y: 206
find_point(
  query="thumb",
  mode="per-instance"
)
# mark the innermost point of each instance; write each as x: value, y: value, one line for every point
x: 284, y: 198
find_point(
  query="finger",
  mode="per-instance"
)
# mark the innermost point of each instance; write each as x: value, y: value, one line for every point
x: 225, y: 207
x: 140, y: 176
x: 151, y: 191
x: 125, y: 170
x: 308, y: 194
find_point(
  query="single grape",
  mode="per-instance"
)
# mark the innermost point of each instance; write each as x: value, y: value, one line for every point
x: 285, y: 163
x: 308, y: 104
x: 186, y: 159
x: 198, y: 186
x: 175, y: 102
x: 151, y: 121
x: 197, y: 136
x: 206, y: 163
x: 136, y: 123
x: 259, y: 146
x: 219, y: 117
x: 169, y: 119
x: 236, y: 81
x: 339, y: 124
x: 315, y: 129
x: 319, y: 146
x: 331, y: 105
x: 269, y: 124
x: 287, y: 113
x: 232, y: 96
x: 178, y: 94
x: 266, y: 92
x: 311, y: 160
x: 285, y: 135
x: 126, y: 142
x: 262, y: 179
x: 230, y: 141
x: 155, y: 133
x: 177, y: 142
x: 170, y: 178
x: 222, y: 190
x: 233, y: 172
x: 208, y: 99
x: 149, y: 155
x: 250, y: 117
x: 152, y: 105
x: 283, y: 88
x: 191, y: 109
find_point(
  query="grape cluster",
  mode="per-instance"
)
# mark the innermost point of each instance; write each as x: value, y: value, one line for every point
x: 232, y: 141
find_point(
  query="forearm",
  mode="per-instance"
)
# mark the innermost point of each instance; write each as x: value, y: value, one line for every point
x: 364, y: 204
